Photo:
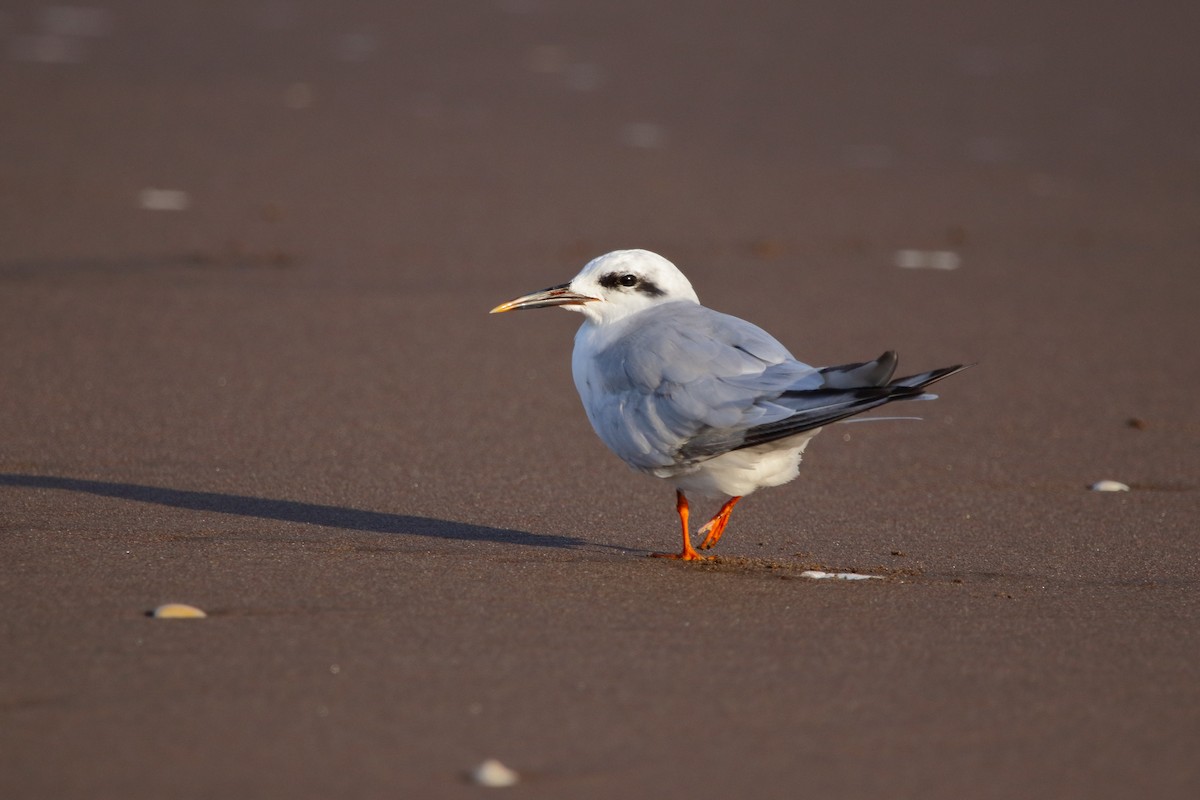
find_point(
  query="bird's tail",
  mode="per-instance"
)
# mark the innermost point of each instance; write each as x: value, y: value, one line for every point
x: 818, y: 407
x: 865, y: 373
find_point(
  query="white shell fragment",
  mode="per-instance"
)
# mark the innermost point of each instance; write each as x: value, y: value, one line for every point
x: 817, y: 575
x: 72, y: 20
x: 178, y: 611
x: 644, y: 135
x: 927, y: 259
x: 47, y: 49
x: 1109, y: 486
x: 493, y: 774
x: 164, y: 199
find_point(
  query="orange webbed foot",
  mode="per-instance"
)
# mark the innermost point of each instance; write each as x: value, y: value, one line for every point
x: 686, y: 555
x: 715, y: 527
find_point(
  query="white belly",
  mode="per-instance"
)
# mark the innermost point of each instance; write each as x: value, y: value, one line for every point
x: 739, y: 472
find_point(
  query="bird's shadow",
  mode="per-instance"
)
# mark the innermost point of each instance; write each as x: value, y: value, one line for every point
x: 351, y: 519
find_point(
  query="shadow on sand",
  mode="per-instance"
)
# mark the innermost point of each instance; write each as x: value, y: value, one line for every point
x: 351, y: 519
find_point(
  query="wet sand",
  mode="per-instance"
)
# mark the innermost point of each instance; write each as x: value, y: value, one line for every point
x: 246, y: 255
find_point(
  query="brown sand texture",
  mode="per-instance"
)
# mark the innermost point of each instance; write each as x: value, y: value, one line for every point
x: 246, y: 256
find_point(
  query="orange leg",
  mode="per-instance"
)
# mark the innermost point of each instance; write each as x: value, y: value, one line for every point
x: 688, y: 553
x: 716, y: 526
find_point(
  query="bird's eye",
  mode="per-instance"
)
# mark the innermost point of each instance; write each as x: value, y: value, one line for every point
x: 628, y: 280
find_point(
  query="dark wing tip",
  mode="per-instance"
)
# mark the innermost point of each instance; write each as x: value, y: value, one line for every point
x: 923, y: 379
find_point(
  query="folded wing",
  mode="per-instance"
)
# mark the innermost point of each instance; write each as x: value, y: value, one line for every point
x: 686, y: 383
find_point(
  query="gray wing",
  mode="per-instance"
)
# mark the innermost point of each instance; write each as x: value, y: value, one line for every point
x: 687, y: 384
x: 814, y: 408
x: 685, y: 371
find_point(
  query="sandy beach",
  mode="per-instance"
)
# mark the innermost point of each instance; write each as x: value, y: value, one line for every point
x: 246, y: 257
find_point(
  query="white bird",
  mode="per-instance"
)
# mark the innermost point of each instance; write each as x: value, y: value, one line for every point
x: 710, y: 403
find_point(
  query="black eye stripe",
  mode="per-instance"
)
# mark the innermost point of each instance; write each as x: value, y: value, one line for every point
x: 626, y: 280
x: 650, y: 288
x: 613, y: 280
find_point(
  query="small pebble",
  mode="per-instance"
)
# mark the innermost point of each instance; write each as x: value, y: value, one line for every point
x: 493, y: 774
x: 548, y: 58
x: 868, y: 156
x: 1109, y: 486
x: 178, y: 611
x: 584, y: 77
x: 355, y: 47
x: 817, y: 574
x: 298, y: 96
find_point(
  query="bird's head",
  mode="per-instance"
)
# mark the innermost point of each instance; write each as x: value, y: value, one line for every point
x: 612, y: 287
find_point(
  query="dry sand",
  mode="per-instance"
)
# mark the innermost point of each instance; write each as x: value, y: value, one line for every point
x: 275, y: 394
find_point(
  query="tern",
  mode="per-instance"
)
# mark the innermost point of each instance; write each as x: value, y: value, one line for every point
x: 708, y: 402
